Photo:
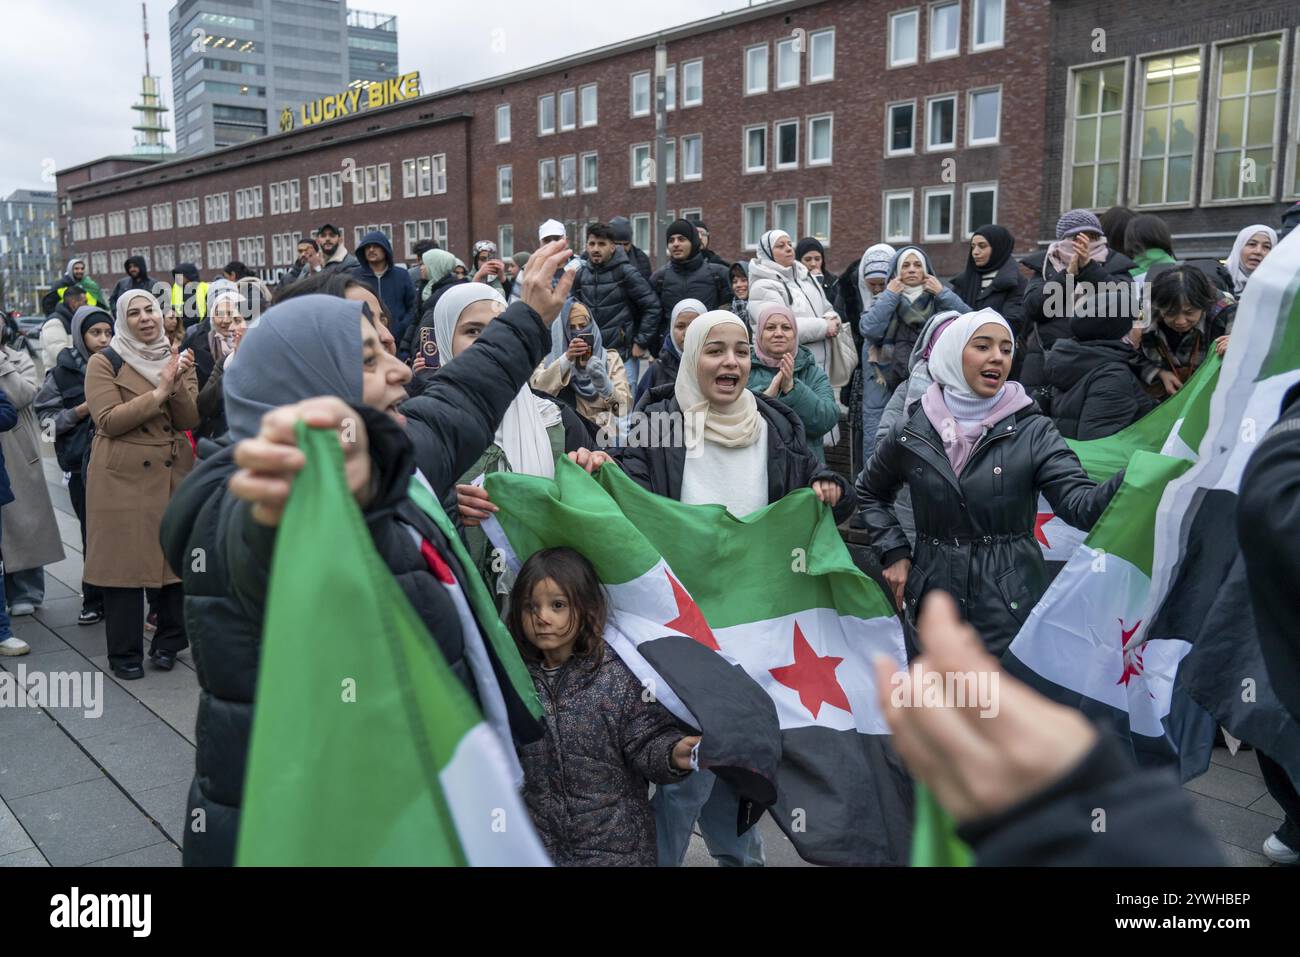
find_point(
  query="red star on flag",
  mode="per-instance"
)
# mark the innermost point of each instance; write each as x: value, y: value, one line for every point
x: 1039, y: 521
x: 690, y: 621
x: 1133, y: 666
x: 812, y: 676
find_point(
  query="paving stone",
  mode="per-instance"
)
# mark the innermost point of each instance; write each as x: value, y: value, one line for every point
x: 17, y: 723
x: 112, y: 708
x: 172, y: 695
x: 1266, y: 805
x: 12, y: 836
x: 165, y: 854
x: 1242, y: 761
x: 46, y: 760
x: 168, y: 805
x: 1235, y: 825
x: 143, y: 757
x: 1226, y: 784
x: 28, y: 858
x: 60, y: 612
x: 85, y: 822
x: 41, y: 637
x: 54, y: 588
x: 1240, y: 857
x: 89, y: 640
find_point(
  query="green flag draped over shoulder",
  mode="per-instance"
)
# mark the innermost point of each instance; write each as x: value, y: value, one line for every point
x: 366, y: 749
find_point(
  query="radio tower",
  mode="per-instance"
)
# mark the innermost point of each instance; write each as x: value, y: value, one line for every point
x: 153, y: 113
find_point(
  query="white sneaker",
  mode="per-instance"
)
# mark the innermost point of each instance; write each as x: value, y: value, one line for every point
x: 1274, y: 849
x: 14, y: 646
x: 21, y: 608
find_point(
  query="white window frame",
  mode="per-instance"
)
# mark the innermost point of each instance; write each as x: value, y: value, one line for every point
x: 966, y: 190
x: 631, y: 94
x: 502, y: 244
x: 670, y: 87
x: 813, y: 37
x: 926, y: 194
x: 744, y: 158
x: 440, y: 233
x: 996, y: 139
x: 541, y: 129
x: 670, y: 158
x: 1290, y: 189
x: 572, y: 159
x: 698, y: 63
x: 793, y: 45
x: 809, y: 160
x: 744, y: 224
x: 385, y: 182
x: 889, y: 128
x: 930, y: 55
x: 583, y: 185
x: 506, y: 108
x: 1067, y: 158
x: 747, y: 86
x: 641, y: 227
x: 1137, y: 127
x: 372, y: 184
x: 807, y: 218
x: 583, y: 119
x: 681, y: 165
x: 975, y: 46
x: 797, y: 123
x: 572, y: 94
x: 275, y: 204
x: 635, y: 179
x: 1212, y: 121
x: 505, y: 196
x: 890, y: 61
x: 785, y: 203
x: 541, y: 178
x: 410, y: 236
x: 948, y: 147
x: 336, y: 188
x: 888, y: 195
x: 439, y: 173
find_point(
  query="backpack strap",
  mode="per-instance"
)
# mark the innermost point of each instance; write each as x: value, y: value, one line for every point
x: 115, y: 360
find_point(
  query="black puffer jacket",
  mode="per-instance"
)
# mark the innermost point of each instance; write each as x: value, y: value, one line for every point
x: 585, y: 782
x: 1097, y: 392
x: 791, y: 465
x: 448, y: 428
x: 692, y: 278
x: 1005, y: 295
x: 975, y: 533
x: 620, y: 301
x: 1039, y: 330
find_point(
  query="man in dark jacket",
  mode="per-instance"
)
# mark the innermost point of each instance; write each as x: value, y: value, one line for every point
x: 333, y: 251
x: 622, y: 228
x: 137, y: 277
x: 1097, y: 392
x: 447, y: 428
x: 393, y: 282
x: 618, y: 296
x: 687, y: 275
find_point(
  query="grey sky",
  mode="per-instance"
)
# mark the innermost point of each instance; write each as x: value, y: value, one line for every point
x: 73, y: 67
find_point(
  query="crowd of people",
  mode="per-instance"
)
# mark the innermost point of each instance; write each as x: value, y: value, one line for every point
x: 172, y: 404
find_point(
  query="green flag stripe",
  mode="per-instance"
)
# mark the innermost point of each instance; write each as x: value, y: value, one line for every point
x: 1127, y: 527
x: 1284, y: 352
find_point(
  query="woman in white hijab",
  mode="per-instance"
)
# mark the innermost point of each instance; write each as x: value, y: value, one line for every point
x: 141, y: 393
x: 975, y: 452
x: 741, y: 451
x: 1248, y: 250
x: 776, y: 276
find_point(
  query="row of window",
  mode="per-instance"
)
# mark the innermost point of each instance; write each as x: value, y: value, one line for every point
x: 983, y: 122
x: 248, y: 203
x: 785, y: 136
x: 567, y: 118
x: 251, y: 250
x: 785, y: 215
x: 1231, y: 96
x: 944, y: 31
x: 423, y: 175
x: 286, y: 197
x: 820, y: 45
x: 938, y: 212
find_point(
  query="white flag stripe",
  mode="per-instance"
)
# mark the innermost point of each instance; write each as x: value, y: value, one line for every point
x: 491, y: 821
x: 1074, y: 638
x: 623, y: 632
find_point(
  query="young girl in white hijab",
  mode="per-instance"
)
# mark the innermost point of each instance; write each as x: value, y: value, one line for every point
x: 975, y: 452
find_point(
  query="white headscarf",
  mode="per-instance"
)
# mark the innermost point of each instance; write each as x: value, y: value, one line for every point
x: 735, y: 425
x: 881, y: 257
x: 147, y: 358
x: 945, y: 358
x: 522, y: 432
x: 911, y: 293
x: 768, y: 243
x: 1235, y: 269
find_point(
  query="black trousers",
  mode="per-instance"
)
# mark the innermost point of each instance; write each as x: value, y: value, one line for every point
x: 124, y: 623
x: 91, y: 595
x: 1284, y: 793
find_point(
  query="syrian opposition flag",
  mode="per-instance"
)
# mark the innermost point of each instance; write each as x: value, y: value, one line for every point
x: 1174, y: 427
x: 760, y: 632
x: 1112, y: 632
x: 366, y: 749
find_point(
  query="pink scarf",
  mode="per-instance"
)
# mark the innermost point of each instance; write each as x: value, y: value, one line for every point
x: 959, y: 440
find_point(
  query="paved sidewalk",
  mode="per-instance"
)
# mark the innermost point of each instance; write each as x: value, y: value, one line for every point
x: 110, y: 790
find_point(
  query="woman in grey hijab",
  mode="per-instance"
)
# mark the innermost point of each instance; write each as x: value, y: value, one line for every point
x: 319, y: 359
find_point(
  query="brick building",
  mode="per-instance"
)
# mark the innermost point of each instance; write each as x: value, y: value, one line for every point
x: 29, y: 248
x: 792, y: 113
x: 1187, y: 110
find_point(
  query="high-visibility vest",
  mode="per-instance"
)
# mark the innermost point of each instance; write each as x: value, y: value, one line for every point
x: 200, y: 298
x: 90, y: 296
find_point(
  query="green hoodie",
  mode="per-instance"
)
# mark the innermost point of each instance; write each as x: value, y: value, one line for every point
x: 812, y: 398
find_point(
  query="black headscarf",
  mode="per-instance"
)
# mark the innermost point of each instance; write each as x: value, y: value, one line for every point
x: 969, y: 283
